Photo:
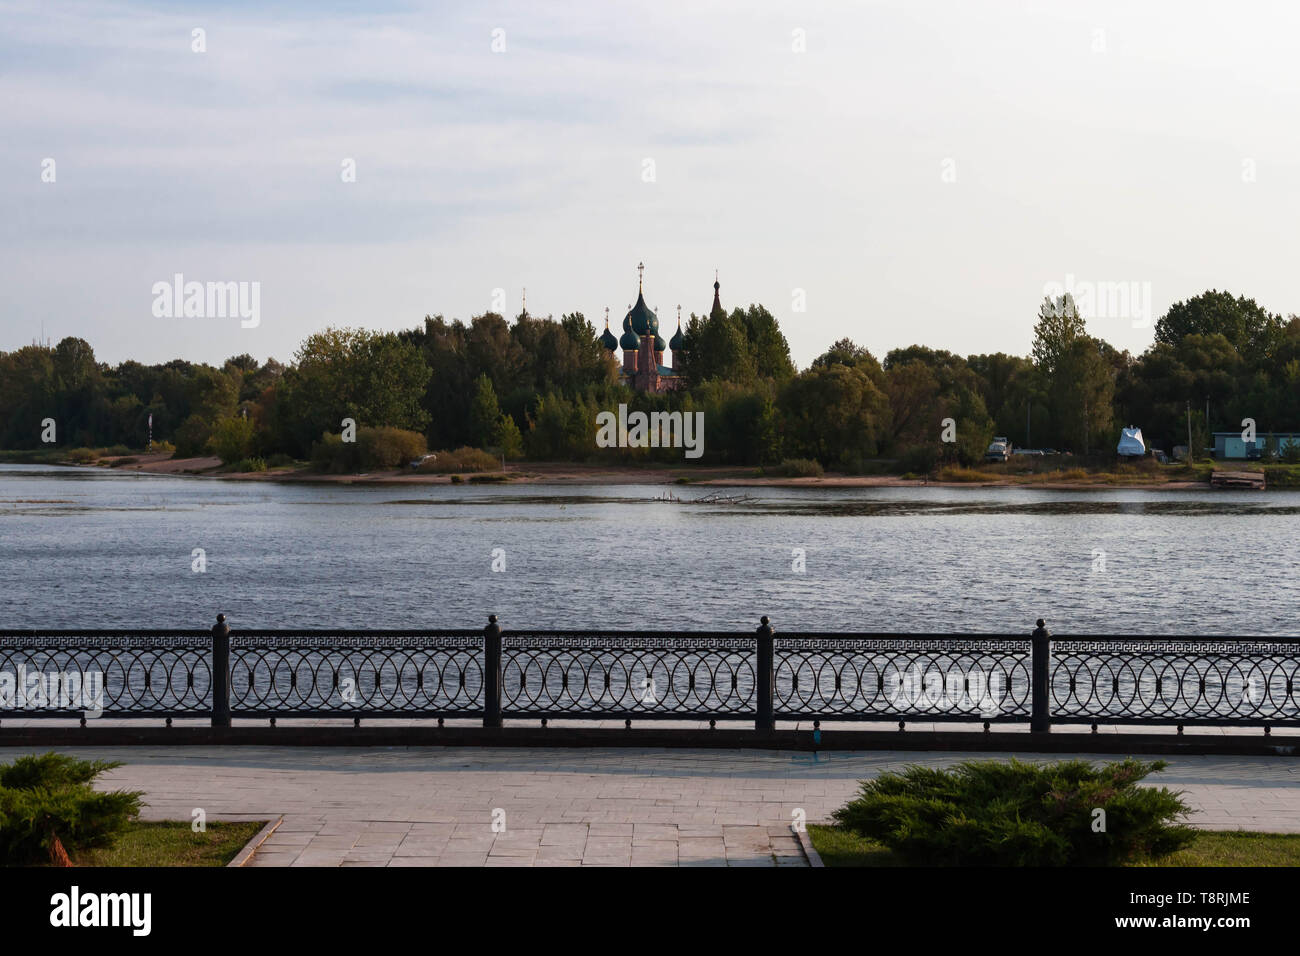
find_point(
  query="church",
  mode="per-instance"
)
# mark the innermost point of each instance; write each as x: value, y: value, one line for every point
x: 643, y: 365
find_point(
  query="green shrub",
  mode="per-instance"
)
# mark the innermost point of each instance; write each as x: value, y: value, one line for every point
x: 49, y: 797
x: 462, y: 460
x: 251, y: 464
x: 163, y: 448
x: 375, y: 448
x: 116, y: 451
x: 82, y: 455
x: 232, y: 439
x: 280, y: 460
x: 797, y: 468
x: 51, y: 770
x: 989, y: 812
x: 389, y: 447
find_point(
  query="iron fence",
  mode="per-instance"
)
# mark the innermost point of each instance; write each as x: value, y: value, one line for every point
x: 491, y: 675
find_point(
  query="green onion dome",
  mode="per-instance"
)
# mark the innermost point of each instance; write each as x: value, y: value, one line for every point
x: 642, y: 320
x: 607, y: 338
x: 630, y: 340
x: 677, y: 340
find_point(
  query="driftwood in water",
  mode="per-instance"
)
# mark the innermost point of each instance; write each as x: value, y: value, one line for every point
x: 713, y: 498
x: 1237, y: 479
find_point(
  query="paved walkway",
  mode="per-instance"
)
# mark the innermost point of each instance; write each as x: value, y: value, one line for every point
x: 438, y: 806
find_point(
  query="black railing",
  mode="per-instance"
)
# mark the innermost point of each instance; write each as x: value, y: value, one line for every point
x: 491, y: 675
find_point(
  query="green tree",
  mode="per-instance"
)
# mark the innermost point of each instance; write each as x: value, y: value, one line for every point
x: 843, y: 352
x: 377, y: 379
x: 484, y: 413
x: 27, y: 395
x: 1082, y: 394
x: 1251, y: 329
x: 718, y: 348
x: 913, y: 391
x: 769, y: 351
x: 508, y: 438
x: 835, y: 413
x: 1059, y: 327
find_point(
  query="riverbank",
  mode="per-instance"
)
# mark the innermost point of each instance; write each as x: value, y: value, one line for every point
x: 563, y: 473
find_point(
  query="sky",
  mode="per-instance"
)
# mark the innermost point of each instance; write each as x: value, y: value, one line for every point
x: 895, y: 172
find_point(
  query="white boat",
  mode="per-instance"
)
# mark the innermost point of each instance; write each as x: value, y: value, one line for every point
x: 1131, y: 444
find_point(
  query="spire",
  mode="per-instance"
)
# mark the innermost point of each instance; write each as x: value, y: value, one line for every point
x: 606, y: 316
x: 717, y: 301
x: 640, y: 274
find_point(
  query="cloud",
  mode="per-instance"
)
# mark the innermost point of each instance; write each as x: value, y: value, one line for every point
x: 479, y: 170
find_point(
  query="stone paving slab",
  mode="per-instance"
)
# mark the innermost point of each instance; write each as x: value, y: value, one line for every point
x: 436, y: 806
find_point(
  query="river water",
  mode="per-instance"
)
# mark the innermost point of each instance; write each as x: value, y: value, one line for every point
x: 95, y: 548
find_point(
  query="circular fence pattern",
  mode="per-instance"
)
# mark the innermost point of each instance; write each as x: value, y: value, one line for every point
x: 891, y: 679
x: 114, y: 676
x: 652, y: 674
x: 612, y: 675
x: 307, y: 675
x: 1173, y: 681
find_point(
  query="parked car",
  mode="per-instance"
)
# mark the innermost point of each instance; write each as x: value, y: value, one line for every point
x: 999, y: 450
x: 415, y: 465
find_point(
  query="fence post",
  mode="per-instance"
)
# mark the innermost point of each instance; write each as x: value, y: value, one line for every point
x: 765, y: 678
x: 492, y: 673
x: 221, y: 672
x: 1040, y: 720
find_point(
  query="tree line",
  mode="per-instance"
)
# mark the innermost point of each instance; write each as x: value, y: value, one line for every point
x: 532, y: 388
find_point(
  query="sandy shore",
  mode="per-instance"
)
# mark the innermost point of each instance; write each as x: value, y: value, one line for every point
x: 561, y: 473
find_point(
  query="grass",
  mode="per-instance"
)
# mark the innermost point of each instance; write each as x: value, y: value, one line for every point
x: 1236, y: 848
x: 1031, y: 471
x: 173, y: 843
x: 840, y: 847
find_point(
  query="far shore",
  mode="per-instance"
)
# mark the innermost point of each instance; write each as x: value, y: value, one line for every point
x: 564, y: 473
